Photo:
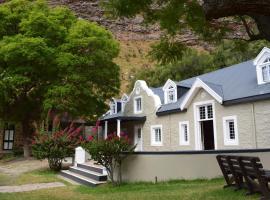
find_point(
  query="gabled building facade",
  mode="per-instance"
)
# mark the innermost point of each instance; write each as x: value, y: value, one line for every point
x: 225, y: 109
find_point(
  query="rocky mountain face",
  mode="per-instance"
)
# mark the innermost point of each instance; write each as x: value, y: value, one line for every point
x: 123, y: 29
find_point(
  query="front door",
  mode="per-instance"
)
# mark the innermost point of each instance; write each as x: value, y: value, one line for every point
x: 207, y: 131
x: 138, y: 138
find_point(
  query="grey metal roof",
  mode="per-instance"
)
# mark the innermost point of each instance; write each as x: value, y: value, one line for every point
x: 158, y: 91
x: 120, y: 116
x: 235, y: 82
x: 171, y: 106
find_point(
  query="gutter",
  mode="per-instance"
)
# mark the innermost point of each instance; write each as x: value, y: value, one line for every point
x: 166, y: 112
x: 247, y: 99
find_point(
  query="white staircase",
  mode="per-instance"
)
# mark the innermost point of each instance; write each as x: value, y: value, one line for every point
x: 87, y: 174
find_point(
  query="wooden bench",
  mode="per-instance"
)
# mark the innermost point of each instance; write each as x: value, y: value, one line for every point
x: 235, y: 168
x: 255, y: 176
x: 226, y: 171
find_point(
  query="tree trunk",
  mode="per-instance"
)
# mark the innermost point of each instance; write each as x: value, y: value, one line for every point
x: 27, y: 129
x: 215, y: 9
x: 258, y: 10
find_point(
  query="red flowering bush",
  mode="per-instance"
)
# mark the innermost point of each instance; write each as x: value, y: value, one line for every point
x: 57, y: 146
x: 110, y: 153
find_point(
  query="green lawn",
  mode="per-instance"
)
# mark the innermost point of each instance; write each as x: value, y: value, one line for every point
x: 180, y: 190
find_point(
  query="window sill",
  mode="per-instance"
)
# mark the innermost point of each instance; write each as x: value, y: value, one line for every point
x: 184, y: 144
x: 157, y: 145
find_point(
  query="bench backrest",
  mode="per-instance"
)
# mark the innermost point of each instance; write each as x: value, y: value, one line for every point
x: 234, y: 164
x: 223, y: 163
x: 252, y: 166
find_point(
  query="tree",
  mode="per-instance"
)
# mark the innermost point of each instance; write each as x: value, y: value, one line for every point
x: 49, y: 59
x: 205, y: 20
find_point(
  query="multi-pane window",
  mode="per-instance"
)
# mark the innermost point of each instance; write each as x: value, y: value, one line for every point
x: 8, y: 137
x: 266, y: 60
x: 138, y: 105
x: 113, y: 107
x: 171, y: 95
x: 266, y: 73
x: 156, y: 135
x: 184, y: 133
x: 206, y: 112
x: 230, y: 130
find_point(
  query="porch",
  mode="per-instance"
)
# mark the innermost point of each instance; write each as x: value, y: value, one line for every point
x: 130, y: 125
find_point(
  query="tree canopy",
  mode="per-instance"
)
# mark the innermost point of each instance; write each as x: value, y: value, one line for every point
x: 206, y: 20
x: 50, y: 59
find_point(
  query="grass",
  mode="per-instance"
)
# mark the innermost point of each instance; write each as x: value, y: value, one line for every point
x: 184, y: 190
x: 37, y: 176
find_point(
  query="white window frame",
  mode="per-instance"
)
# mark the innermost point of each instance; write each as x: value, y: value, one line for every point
x: 182, y: 140
x: 113, y: 111
x: 168, y: 100
x: 153, y: 142
x: 197, y: 128
x: 167, y: 89
x: 124, y: 100
x: 206, y: 112
x: 260, y: 73
x: 136, y: 111
x: 227, y: 140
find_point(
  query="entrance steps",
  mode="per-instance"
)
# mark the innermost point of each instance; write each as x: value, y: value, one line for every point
x: 87, y: 174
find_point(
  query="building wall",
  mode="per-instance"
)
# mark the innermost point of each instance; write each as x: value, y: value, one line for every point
x: 252, y: 122
x: 262, y: 123
x: 179, y: 165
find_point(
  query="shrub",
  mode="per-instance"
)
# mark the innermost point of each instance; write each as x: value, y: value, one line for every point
x: 110, y: 153
x: 57, y: 146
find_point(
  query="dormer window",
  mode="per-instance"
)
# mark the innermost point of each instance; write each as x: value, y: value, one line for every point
x: 262, y: 63
x: 170, y: 92
x: 266, y: 73
x: 124, y: 100
x: 113, y: 107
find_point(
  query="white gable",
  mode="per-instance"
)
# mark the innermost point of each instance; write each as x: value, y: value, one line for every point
x: 169, y: 85
x: 140, y: 84
x: 262, y: 61
x: 197, y: 85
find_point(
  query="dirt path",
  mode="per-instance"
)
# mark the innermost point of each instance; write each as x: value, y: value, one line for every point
x: 20, y: 166
x: 29, y: 187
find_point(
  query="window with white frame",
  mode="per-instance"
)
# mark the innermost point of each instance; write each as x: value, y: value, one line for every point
x: 184, y: 133
x: 156, y: 135
x: 171, y: 94
x: 266, y: 73
x: 113, y: 107
x: 230, y: 130
x: 124, y: 100
x: 138, y: 105
x: 206, y: 112
x: 263, y: 71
